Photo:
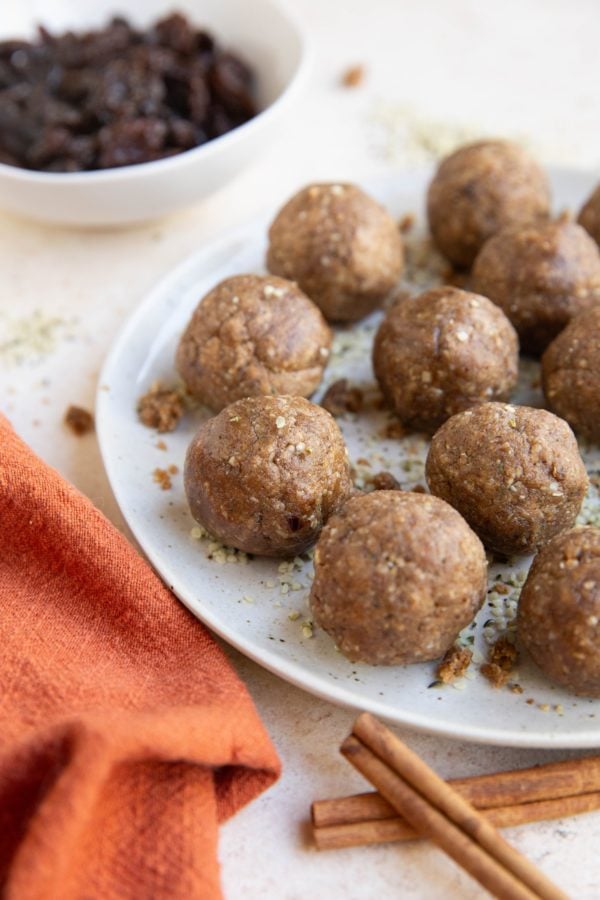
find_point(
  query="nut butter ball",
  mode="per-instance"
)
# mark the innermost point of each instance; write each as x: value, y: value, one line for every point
x: 513, y: 472
x: 480, y: 189
x: 444, y: 351
x: 253, y: 336
x: 589, y: 216
x: 265, y: 474
x: 541, y: 276
x: 558, y: 617
x: 344, y: 249
x: 397, y: 576
x: 571, y: 374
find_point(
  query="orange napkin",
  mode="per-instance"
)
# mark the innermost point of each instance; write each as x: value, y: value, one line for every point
x: 125, y: 736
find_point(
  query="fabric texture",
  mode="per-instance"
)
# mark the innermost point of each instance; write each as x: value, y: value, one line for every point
x: 125, y: 735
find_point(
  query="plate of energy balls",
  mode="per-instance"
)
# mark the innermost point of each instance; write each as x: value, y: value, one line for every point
x: 359, y: 437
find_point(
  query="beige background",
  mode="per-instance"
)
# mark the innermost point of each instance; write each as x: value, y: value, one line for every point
x: 435, y: 70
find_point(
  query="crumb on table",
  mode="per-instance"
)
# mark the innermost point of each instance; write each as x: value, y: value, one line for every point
x: 503, y: 657
x: 455, y: 663
x: 340, y: 397
x: 79, y: 420
x: 353, y: 76
x: 161, y: 408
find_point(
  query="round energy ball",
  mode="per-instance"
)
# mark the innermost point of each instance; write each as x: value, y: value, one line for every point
x: 343, y: 248
x: 397, y: 576
x: 265, y: 474
x: 541, y: 276
x: 252, y: 336
x: 571, y: 374
x: 478, y: 190
x: 558, y: 618
x: 513, y: 472
x: 444, y: 351
x: 589, y: 216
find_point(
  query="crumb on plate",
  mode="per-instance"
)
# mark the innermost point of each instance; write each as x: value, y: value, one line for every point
x: 383, y: 481
x: 406, y: 223
x: 340, y: 398
x: 502, y: 659
x: 393, y: 430
x: 162, y: 477
x: 454, y: 664
x: 161, y: 408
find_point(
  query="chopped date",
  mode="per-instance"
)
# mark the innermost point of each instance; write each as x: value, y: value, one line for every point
x: 117, y: 96
x: 229, y: 79
x: 131, y: 141
x: 176, y: 33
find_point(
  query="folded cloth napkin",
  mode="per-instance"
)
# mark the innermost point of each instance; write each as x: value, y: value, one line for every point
x: 125, y: 736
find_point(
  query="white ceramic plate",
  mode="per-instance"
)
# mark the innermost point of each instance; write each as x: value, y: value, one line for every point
x: 258, y: 608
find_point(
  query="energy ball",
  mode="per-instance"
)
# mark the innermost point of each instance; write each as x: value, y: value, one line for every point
x: 571, y: 374
x: 397, y: 576
x: 558, y: 618
x: 253, y: 336
x: 513, y: 472
x: 444, y: 351
x: 541, y: 276
x: 344, y: 249
x: 589, y: 216
x: 480, y: 189
x: 266, y: 473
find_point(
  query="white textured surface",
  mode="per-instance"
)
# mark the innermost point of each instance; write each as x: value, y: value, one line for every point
x: 525, y: 68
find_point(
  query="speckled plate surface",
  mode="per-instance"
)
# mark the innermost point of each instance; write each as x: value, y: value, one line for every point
x: 261, y: 606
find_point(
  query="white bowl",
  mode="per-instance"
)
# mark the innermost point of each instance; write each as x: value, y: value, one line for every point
x: 265, y: 34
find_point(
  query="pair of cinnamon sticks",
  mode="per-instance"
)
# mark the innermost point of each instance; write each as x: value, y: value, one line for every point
x: 412, y: 801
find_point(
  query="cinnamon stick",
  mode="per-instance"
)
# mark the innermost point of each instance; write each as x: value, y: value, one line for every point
x: 378, y: 830
x: 427, y: 820
x: 436, y: 810
x: 548, y: 782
